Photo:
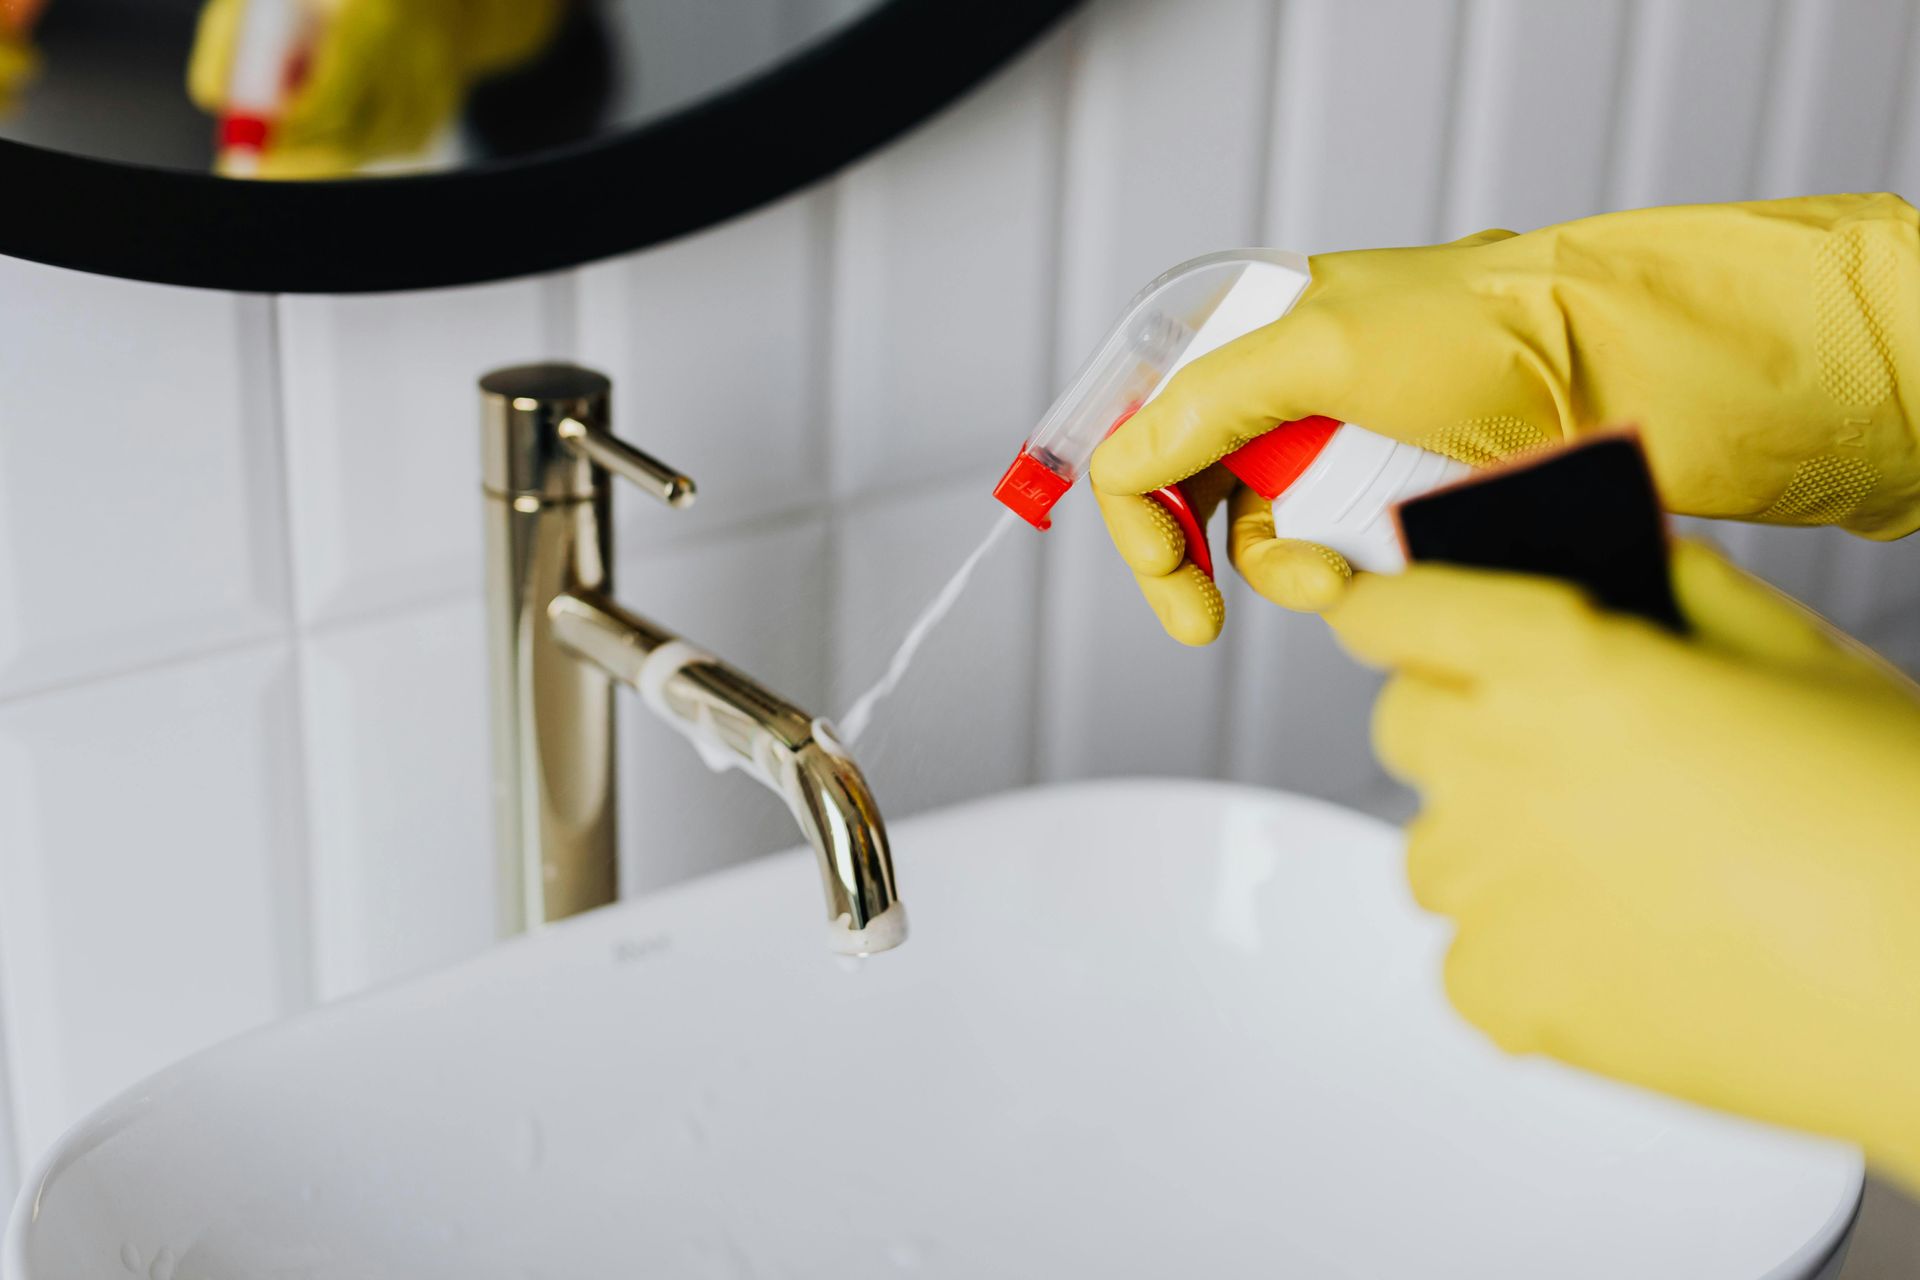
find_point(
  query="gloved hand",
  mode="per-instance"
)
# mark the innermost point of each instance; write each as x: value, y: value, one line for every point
x: 1764, y: 351
x: 385, y: 76
x: 1690, y: 863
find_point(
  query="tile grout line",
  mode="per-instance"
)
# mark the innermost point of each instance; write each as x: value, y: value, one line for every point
x: 1040, y: 618
x: 560, y: 315
x: 824, y: 409
x: 225, y: 649
x: 1628, y: 89
x: 1767, y: 118
x: 299, y: 978
x: 1791, y: 79
x: 1904, y: 96
x: 11, y: 1168
x: 1453, y: 126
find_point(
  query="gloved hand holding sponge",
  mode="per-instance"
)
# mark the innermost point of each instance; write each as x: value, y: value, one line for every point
x: 1764, y: 350
x: 382, y: 78
x: 1688, y: 861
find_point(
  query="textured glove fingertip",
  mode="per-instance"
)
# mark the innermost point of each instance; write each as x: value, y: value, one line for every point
x: 1188, y: 604
x: 1144, y: 534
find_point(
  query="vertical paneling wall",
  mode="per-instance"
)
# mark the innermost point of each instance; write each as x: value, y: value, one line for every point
x: 242, y: 728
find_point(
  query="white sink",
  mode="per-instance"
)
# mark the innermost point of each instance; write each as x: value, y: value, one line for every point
x: 1148, y: 1029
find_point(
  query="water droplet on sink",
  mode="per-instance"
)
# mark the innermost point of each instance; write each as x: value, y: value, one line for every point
x: 162, y: 1268
x: 130, y: 1257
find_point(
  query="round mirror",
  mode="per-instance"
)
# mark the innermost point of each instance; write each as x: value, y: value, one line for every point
x: 351, y: 145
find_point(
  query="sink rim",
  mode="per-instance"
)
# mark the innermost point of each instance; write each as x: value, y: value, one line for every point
x: 1814, y: 1258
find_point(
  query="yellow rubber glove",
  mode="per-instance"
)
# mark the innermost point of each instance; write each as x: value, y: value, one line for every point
x: 1764, y: 350
x: 386, y: 75
x: 1688, y: 863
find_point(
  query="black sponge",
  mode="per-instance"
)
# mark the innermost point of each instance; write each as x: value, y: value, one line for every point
x: 1587, y: 513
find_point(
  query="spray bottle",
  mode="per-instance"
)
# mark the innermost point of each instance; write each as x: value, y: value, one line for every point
x: 271, y: 53
x: 1333, y: 483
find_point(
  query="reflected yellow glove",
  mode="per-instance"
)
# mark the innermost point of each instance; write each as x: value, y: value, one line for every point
x: 386, y: 75
x: 19, y: 61
x: 1688, y: 863
x: 1766, y: 351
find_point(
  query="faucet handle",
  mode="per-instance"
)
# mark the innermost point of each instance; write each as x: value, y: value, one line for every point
x: 675, y: 488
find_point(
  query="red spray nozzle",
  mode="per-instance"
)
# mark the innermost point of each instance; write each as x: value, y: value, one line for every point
x: 1030, y: 488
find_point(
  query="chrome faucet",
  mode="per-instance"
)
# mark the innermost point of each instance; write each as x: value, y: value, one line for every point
x: 559, y: 642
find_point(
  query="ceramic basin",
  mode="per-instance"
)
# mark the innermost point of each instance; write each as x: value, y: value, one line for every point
x: 1149, y: 1029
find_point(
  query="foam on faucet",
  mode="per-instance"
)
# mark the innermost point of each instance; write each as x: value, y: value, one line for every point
x: 662, y: 665
x: 883, y: 933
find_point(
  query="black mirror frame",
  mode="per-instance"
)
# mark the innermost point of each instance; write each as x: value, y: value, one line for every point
x: 791, y: 126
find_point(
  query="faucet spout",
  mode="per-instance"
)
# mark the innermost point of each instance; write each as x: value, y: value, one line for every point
x: 735, y: 722
x: 828, y: 797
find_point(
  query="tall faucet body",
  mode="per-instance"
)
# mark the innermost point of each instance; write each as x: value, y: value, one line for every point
x: 559, y: 643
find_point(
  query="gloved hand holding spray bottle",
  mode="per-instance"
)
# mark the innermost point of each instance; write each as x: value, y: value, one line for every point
x: 1335, y: 484
x: 1680, y: 858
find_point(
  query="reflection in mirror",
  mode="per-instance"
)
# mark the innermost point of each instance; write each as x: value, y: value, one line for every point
x: 304, y: 89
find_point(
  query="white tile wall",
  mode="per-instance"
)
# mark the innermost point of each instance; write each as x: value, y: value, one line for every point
x: 153, y: 862
x: 713, y: 339
x: 398, y: 778
x: 242, y: 760
x: 382, y: 439
x: 943, y: 266
x: 142, y: 518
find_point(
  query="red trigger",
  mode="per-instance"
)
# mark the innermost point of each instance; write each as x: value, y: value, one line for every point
x: 1175, y: 501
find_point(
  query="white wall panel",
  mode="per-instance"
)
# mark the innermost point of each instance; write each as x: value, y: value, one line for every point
x: 943, y: 269
x: 151, y: 872
x: 715, y: 345
x: 961, y: 722
x: 139, y: 499
x: 1698, y: 82
x: 1166, y: 129
x: 1536, y: 107
x: 398, y: 783
x: 383, y: 447
x: 1836, y: 96
x: 1345, y: 174
x: 760, y: 599
x: 1362, y: 122
x: 1904, y: 161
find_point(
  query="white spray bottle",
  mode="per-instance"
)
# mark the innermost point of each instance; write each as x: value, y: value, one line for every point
x: 1333, y: 483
